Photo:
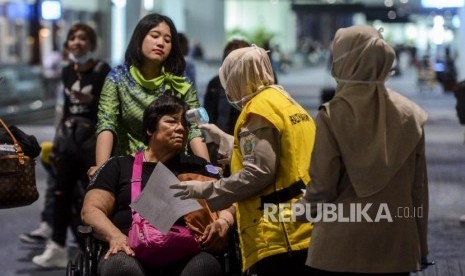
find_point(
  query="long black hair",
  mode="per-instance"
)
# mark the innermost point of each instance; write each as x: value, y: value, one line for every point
x: 175, y: 62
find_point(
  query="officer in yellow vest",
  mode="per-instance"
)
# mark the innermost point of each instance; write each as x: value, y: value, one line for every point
x: 270, y: 157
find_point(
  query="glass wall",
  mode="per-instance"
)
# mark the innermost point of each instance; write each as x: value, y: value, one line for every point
x: 31, y: 52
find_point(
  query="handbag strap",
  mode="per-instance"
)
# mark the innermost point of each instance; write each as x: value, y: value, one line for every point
x: 16, y: 145
x: 136, y: 178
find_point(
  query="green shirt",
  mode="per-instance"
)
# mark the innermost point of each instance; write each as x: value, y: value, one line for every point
x: 122, y: 104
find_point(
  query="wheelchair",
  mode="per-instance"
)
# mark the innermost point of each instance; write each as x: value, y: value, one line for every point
x: 86, y: 262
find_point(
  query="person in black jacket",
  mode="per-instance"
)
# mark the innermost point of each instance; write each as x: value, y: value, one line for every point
x: 459, y: 93
x: 220, y: 112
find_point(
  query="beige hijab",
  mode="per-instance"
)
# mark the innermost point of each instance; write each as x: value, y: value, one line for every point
x: 245, y: 72
x: 376, y: 129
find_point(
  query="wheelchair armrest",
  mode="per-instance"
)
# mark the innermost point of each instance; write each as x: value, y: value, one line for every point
x: 86, y: 262
x: 84, y: 230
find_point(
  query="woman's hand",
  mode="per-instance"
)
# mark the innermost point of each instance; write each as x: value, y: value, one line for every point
x: 215, y: 237
x: 91, y: 172
x: 81, y: 98
x: 119, y: 243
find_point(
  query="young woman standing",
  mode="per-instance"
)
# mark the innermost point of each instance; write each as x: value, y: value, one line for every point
x: 74, y: 145
x: 153, y: 66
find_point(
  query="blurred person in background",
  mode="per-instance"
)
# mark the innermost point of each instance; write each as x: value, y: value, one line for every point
x: 189, y: 72
x: 44, y: 232
x: 220, y: 112
x: 446, y: 72
x: 459, y: 94
x: 74, y: 143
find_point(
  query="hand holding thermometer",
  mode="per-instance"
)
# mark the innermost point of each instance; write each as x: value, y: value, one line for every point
x: 199, y: 116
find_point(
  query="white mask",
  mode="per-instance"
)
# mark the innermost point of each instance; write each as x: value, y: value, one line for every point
x: 82, y: 59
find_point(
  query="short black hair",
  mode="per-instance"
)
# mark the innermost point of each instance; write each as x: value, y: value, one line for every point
x: 166, y: 104
x: 183, y: 43
x: 175, y: 62
x: 234, y: 45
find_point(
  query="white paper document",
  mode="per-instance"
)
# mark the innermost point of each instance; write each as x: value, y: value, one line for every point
x: 157, y: 203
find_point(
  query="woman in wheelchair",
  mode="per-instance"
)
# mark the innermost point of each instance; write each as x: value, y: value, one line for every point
x: 106, y: 205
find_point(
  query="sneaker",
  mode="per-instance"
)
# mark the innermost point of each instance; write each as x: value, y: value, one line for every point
x: 55, y: 256
x: 40, y: 235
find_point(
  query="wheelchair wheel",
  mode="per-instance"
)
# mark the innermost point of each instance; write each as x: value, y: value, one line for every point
x: 80, y: 265
x: 93, y: 258
x: 86, y: 265
x: 71, y: 269
x: 88, y: 259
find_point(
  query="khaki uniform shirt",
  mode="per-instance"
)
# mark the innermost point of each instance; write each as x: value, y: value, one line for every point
x: 258, y: 172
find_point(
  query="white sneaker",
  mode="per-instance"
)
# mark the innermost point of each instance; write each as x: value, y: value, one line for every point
x: 39, y: 235
x: 462, y: 219
x: 53, y: 256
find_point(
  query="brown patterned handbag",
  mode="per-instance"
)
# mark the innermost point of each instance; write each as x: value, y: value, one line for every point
x: 17, y: 176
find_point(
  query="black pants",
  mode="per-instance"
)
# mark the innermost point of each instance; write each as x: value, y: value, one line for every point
x: 292, y: 263
x: 70, y: 173
x: 202, y: 264
x: 49, y: 202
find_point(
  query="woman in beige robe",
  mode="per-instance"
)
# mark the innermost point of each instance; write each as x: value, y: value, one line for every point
x: 369, y: 164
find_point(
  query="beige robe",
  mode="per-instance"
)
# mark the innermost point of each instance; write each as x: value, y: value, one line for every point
x: 369, y: 155
x: 367, y: 247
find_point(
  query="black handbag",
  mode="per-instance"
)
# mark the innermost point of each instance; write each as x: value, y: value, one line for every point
x: 75, y: 136
x: 17, y: 174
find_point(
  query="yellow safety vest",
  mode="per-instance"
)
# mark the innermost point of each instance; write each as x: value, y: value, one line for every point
x: 261, y: 238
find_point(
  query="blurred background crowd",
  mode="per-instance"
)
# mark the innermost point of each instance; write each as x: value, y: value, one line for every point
x: 427, y: 35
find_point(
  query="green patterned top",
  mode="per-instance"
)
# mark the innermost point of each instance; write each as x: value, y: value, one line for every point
x: 122, y: 104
